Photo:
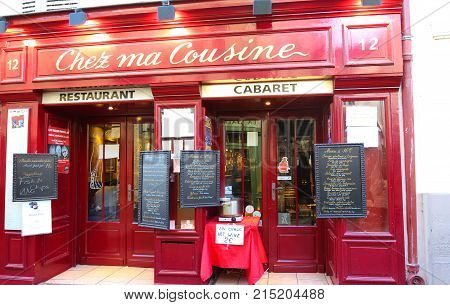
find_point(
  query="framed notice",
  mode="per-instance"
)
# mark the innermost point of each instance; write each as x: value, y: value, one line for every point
x: 35, y: 177
x: 154, y: 171
x: 199, y: 178
x: 340, y: 180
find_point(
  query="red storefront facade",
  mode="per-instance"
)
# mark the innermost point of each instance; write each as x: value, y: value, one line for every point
x: 354, y: 51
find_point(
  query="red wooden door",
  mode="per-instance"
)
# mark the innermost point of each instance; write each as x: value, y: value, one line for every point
x: 295, y: 235
x: 140, y: 241
x: 109, y: 180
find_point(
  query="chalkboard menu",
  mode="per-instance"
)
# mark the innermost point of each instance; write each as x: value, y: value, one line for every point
x: 154, y: 170
x: 35, y: 177
x: 340, y: 180
x: 199, y: 179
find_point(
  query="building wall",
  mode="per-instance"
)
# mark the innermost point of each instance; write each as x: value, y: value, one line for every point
x: 431, y: 85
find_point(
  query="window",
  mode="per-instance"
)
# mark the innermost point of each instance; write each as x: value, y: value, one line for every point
x: 295, y: 174
x: 103, y: 179
x: 365, y: 122
x: 243, y: 163
x: 177, y: 134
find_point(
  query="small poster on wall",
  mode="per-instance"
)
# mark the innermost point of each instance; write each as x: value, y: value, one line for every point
x: 16, y: 142
x: 59, y: 144
x: 36, y: 218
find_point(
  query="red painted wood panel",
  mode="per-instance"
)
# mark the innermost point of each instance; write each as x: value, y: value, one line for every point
x: 213, y: 51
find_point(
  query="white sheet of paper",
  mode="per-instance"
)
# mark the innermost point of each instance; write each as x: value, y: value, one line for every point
x: 252, y: 138
x: 176, y: 165
x: 112, y: 151
x: 230, y: 234
x: 366, y: 116
x: 366, y: 135
x: 177, y: 122
x: 36, y: 218
x: 16, y: 143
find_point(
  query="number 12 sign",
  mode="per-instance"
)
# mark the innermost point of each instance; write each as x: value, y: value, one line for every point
x: 229, y: 235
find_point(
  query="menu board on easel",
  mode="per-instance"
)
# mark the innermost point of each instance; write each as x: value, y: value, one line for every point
x: 35, y: 177
x: 340, y: 180
x: 154, y: 171
x: 199, y: 179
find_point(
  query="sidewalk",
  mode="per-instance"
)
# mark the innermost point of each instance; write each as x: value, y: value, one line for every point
x: 118, y: 275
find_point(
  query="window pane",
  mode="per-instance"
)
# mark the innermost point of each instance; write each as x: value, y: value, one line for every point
x: 233, y: 158
x: 305, y: 174
x: 252, y: 166
x: 177, y: 132
x: 95, y: 178
x: 111, y: 172
x: 143, y: 141
x: 376, y: 163
x: 285, y: 178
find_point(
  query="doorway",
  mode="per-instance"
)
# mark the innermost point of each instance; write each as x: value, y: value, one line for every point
x: 295, y: 234
x: 109, y: 180
x: 268, y: 162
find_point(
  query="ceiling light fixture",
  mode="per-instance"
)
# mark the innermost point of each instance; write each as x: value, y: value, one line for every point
x: 262, y: 7
x: 370, y: 2
x: 3, y: 25
x: 78, y: 17
x: 166, y: 11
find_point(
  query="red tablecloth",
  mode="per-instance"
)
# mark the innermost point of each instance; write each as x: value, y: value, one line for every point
x: 250, y: 256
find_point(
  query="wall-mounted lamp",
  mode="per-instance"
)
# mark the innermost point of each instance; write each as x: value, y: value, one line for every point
x: 370, y: 2
x: 166, y: 11
x: 3, y: 25
x: 78, y: 17
x: 262, y: 7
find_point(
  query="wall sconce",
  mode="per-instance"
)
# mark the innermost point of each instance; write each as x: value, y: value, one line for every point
x: 262, y: 7
x: 166, y: 11
x: 370, y: 2
x: 3, y: 25
x: 78, y: 17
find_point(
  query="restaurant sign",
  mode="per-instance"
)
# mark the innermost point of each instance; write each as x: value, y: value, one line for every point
x: 96, y: 96
x: 151, y: 56
x: 281, y: 88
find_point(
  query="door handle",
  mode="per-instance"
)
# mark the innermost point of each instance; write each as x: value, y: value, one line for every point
x: 275, y: 189
x: 130, y: 190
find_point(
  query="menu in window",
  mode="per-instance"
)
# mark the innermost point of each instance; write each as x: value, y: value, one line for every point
x: 340, y: 180
x: 199, y: 179
x: 154, y: 170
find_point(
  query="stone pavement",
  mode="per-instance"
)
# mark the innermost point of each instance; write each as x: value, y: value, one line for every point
x: 119, y: 275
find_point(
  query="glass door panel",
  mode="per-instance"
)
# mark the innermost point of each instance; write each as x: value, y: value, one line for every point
x: 142, y: 141
x: 295, y: 174
x: 104, y: 172
x: 243, y: 163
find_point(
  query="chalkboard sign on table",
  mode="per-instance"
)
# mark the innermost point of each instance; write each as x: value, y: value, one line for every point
x: 35, y: 177
x: 154, y: 170
x: 199, y: 179
x: 340, y: 180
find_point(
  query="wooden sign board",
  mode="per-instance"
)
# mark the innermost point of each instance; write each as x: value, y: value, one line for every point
x: 199, y: 178
x: 35, y: 177
x: 340, y: 180
x: 154, y: 171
